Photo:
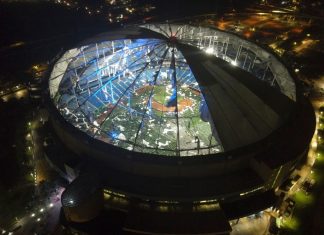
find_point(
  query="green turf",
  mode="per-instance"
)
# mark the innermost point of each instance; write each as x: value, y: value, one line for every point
x: 152, y: 129
x: 160, y: 94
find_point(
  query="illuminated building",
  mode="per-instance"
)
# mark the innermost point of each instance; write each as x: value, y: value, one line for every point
x: 187, y: 127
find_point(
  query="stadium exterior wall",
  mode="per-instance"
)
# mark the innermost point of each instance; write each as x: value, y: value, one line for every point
x: 272, y: 159
x: 253, y: 158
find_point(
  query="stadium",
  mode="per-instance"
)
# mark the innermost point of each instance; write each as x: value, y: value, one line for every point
x: 181, y: 126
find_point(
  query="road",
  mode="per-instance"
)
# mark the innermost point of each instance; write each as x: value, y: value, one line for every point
x: 44, y: 217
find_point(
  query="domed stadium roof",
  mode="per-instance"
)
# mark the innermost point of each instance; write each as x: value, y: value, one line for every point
x: 174, y: 90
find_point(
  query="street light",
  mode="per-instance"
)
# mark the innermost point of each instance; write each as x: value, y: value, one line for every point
x: 210, y: 50
x: 233, y: 62
x: 32, y: 215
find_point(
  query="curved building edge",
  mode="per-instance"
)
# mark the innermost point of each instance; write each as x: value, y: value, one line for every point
x: 266, y: 165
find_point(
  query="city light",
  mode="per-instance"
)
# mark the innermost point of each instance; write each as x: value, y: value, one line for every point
x: 210, y: 50
x: 277, y: 11
x: 233, y: 62
x: 235, y: 55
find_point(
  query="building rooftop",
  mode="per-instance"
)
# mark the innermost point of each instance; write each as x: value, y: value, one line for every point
x: 172, y: 90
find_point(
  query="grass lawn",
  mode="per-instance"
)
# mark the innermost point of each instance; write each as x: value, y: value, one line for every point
x: 302, y: 221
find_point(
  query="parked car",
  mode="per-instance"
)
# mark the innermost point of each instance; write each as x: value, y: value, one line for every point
x: 308, y: 187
